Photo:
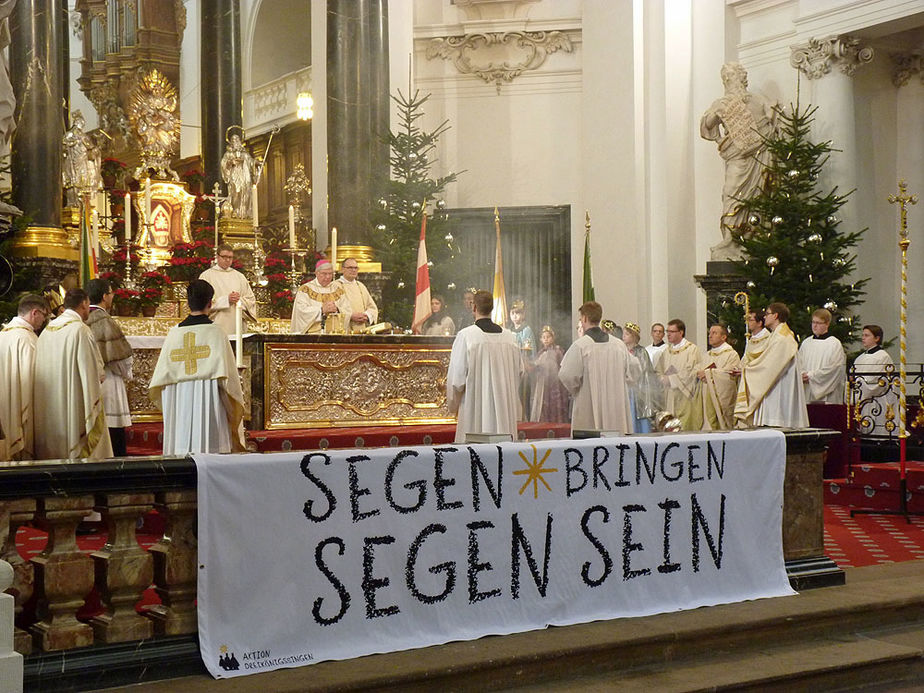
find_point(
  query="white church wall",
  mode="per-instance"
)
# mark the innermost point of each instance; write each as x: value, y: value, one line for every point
x: 190, y: 84
x: 78, y: 100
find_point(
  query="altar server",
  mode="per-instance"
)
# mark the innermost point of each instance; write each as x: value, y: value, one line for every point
x: 596, y: 371
x: 231, y: 287
x: 17, y: 361
x: 876, y: 395
x: 70, y: 422
x: 719, y: 375
x: 317, y: 299
x: 484, y: 372
x: 823, y: 362
x: 677, y: 369
x: 196, y: 384
x: 770, y: 391
x: 363, y: 311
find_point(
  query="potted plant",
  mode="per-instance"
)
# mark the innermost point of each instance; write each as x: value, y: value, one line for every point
x: 190, y: 260
x: 194, y: 180
x: 281, y: 302
x: 153, y: 284
x: 127, y: 302
x: 112, y: 172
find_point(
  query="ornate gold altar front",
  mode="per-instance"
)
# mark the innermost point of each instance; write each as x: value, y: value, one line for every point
x: 316, y: 381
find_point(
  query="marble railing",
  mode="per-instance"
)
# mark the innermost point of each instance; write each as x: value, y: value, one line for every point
x: 66, y: 651
x: 51, y: 588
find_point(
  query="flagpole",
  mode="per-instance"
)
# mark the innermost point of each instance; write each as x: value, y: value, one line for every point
x: 422, y: 286
x: 588, y: 279
x: 499, y: 314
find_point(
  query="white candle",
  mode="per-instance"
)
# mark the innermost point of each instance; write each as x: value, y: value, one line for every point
x: 239, y: 332
x: 94, y: 241
x: 292, y: 227
x: 333, y: 248
x: 256, y: 207
x: 128, y: 217
x: 147, y: 200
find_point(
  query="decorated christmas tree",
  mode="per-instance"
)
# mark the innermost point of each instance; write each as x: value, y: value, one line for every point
x: 398, y: 211
x: 793, y: 248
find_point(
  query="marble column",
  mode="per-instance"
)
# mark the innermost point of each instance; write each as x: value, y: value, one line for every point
x: 357, y: 116
x: 831, y: 90
x: 35, y: 66
x: 220, y: 72
x: 64, y: 33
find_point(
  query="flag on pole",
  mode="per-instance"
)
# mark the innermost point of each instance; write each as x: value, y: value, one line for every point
x: 499, y: 314
x: 588, y: 275
x: 422, y: 291
x: 88, y: 263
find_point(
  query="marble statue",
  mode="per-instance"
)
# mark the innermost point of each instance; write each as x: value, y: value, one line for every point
x: 7, y: 98
x: 238, y: 171
x: 738, y: 122
x: 81, y: 169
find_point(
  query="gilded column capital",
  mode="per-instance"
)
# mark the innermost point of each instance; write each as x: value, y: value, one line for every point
x: 816, y: 57
x: 906, y: 65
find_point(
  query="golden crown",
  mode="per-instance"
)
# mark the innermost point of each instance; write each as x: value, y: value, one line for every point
x: 634, y: 327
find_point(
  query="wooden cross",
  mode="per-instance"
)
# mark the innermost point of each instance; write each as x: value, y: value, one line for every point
x: 190, y: 353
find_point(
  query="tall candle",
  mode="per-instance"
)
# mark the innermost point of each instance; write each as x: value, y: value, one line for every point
x: 128, y: 217
x: 292, y: 227
x: 147, y: 200
x: 239, y: 332
x: 95, y: 240
x: 256, y: 207
x: 333, y: 247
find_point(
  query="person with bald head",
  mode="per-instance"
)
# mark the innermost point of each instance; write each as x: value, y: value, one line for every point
x: 317, y: 299
x: 719, y: 375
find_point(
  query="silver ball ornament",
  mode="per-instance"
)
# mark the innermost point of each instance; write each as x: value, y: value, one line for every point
x: 415, y: 205
x: 833, y: 219
x: 831, y: 305
x: 815, y: 238
x: 754, y: 219
x: 839, y: 262
x: 400, y: 285
x: 380, y: 227
x: 448, y: 237
x: 793, y: 173
x: 777, y: 219
x: 773, y: 261
x: 441, y: 204
x: 451, y: 286
x: 751, y: 285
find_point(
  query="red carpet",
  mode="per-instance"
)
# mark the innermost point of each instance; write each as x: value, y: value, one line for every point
x: 852, y: 542
x: 875, y: 486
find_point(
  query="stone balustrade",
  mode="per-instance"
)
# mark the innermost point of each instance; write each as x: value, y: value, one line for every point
x: 65, y: 649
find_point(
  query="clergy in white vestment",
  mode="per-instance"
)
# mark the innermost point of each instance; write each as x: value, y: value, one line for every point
x: 117, y: 356
x: 318, y: 299
x: 17, y: 360
x: 876, y: 397
x: 677, y: 369
x: 658, y: 345
x: 719, y: 374
x: 196, y: 385
x: 597, y: 370
x: 363, y: 311
x: 484, y: 373
x: 770, y: 391
x: 823, y: 362
x: 231, y: 287
x: 70, y: 422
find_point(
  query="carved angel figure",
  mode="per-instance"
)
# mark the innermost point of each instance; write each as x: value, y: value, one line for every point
x: 152, y: 112
x: 81, y: 170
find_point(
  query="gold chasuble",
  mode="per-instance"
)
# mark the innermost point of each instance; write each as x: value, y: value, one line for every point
x: 196, y: 385
x: 679, y: 365
x: 720, y: 388
x: 69, y: 419
x: 309, y: 299
x: 770, y: 392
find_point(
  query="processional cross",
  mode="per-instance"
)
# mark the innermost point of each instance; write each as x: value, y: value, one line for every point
x: 190, y: 353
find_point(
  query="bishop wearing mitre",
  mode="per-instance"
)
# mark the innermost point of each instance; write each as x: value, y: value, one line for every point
x: 70, y: 422
x: 18, y: 340
x: 719, y: 375
x: 196, y: 385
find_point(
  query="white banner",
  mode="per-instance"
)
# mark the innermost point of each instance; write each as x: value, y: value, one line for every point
x: 313, y: 556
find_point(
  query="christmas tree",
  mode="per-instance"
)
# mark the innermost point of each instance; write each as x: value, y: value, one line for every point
x: 793, y: 249
x: 398, y: 212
